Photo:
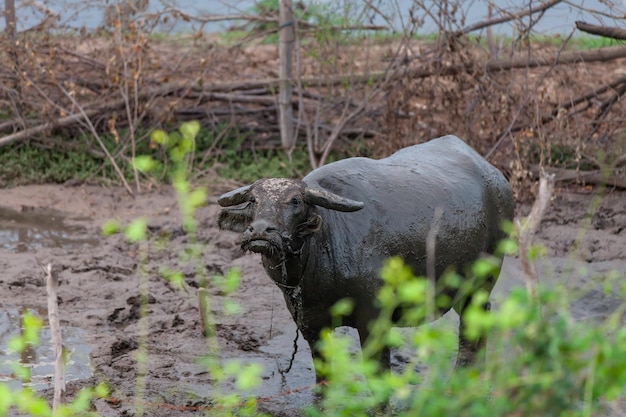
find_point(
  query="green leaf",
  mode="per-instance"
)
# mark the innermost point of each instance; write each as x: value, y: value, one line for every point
x: 342, y: 307
x: 176, y: 278
x: 159, y: 136
x: 136, y: 231
x: 507, y: 247
x: 81, y: 402
x: 190, y: 129
x: 249, y: 377
x: 177, y: 154
x: 535, y: 251
x: 413, y: 292
x: 16, y: 344
x: 187, y: 145
x: 144, y: 163
x: 101, y: 390
x: 231, y: 280
x: 6, y: 399
x: 231, y: 307
x: 484, y: 267
x: 111, y: 227
x: 36, y: 407
x: 31, y: 325
x: 21, y: 372
x: 197, y: 198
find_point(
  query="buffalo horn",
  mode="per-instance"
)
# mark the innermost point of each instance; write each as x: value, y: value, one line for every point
x: 234, y: 197
x: 331, y: 201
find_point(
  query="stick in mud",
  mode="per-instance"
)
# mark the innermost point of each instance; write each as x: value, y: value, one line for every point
x: 52, y: 282
x: 527, y: 230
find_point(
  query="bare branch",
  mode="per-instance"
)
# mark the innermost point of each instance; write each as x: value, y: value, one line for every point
x: 508, y: 18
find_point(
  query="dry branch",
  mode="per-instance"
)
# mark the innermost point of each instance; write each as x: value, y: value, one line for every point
x: 607, y: 32
x: 182, y: 91
x: 611, y: 178
x: 509, y: 17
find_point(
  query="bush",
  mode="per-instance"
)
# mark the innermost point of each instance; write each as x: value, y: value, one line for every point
x: 541, y: 362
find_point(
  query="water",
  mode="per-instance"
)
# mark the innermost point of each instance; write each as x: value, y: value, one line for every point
x: 90, y: 14
x: 28, y: 231
x: 40, y: 359
x: 32, y: 229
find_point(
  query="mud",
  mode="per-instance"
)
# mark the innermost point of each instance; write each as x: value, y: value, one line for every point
x: 585, y: 237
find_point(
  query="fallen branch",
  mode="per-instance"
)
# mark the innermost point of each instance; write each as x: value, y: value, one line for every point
x: 607, y: 32
x: 86, y: 113
x: 596, y: 177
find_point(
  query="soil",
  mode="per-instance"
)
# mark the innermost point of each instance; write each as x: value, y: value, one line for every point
x: 101, y: 281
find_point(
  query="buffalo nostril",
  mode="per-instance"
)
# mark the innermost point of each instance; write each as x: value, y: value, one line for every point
x: 262, y: 226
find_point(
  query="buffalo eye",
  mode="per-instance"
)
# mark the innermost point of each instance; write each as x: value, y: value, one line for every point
x: 252, y: 199
x: 295, y: 201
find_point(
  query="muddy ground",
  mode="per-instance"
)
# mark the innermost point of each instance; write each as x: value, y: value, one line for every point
x: 100, y: 285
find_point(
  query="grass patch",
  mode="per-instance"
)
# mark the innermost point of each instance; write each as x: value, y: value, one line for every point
x: 27, y: 164
x: 232, y: 157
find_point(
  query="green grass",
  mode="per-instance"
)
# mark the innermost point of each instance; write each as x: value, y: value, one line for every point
x: 29, y: 162
x: 26, y: 164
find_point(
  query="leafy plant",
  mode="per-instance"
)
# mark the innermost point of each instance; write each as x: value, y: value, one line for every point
x: 541, y: 361
x: 180, y: 147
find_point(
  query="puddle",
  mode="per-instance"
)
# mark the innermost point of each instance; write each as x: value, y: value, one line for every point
x: 40, y: 359
x: 31, y: 229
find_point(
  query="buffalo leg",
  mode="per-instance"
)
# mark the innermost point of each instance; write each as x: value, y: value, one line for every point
x: 316, y: 356
x: 469, y: 349
x: 383, y: 355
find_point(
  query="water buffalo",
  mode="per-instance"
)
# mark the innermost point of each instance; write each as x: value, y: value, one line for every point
x: 325, y: 238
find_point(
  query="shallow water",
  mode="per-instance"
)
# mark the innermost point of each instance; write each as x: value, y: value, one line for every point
x: 33, y: 228
x: 40, y: 359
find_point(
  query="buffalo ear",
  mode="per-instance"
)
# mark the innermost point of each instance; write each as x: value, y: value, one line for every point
x: 235, y: 219
x: 311, y: 225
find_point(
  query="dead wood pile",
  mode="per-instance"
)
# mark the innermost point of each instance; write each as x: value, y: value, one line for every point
x: 510, y: 102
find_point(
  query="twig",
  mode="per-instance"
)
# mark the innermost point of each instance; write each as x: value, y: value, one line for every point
x: 527, y: 230
x: 52, y: 282
x: 97, y: 136
x: 511, y: 16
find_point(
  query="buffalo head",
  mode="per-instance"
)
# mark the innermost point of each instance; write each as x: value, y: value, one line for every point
x: 276, y: 214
